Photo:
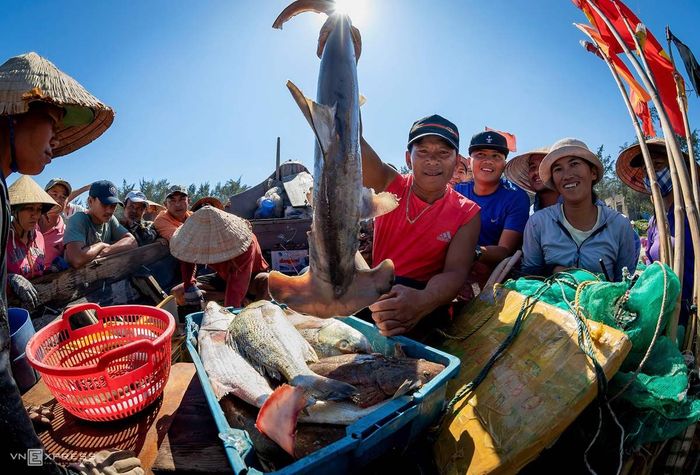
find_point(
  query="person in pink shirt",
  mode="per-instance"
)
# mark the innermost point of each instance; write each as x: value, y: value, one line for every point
x: 25, y: 250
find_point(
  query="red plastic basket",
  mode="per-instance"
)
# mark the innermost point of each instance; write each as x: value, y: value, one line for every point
x: 110, y: 369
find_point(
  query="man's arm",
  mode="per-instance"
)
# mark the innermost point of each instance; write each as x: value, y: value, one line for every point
x: 77, y: 255
x: 402, y: 308
x: 508, y: 243
x: 124, y: 244
x: 511, y: 238
x: 375, y: 173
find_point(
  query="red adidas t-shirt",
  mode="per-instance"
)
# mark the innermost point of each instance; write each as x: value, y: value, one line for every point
x: 419, y: 249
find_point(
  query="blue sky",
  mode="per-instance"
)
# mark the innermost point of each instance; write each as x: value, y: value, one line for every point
x: 199, y: 87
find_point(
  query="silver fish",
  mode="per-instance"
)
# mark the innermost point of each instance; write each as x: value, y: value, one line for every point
x: 263, y: 335
x: 329, y: 336
x: 334, y: 286
x: 228, y: 371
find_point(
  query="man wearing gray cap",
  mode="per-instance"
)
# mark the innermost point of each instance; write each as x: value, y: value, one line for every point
x: 134, y: 207
x: 97, y: 233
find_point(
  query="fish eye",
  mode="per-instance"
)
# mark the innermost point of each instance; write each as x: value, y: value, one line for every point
x: 426, y: 374
x: 344, y: 344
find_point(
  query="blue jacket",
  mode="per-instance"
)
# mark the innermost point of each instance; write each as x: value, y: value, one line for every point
x: 547, y: 243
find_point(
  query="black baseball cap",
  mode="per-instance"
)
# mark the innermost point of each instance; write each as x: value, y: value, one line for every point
x: 434, y: 125
x: 490, y: 140
x: 106, y: 192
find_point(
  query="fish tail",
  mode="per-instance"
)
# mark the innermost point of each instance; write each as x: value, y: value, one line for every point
x: 324, y: 389
x: 278, y: 416
x: 308, y: 294
x: 301, y: 6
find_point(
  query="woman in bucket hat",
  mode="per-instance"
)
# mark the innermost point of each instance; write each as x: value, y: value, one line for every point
x: 44, y: 113
x: 631, y: 171
x: 227, y: 244
x: 524, y: 171
x: 25, y: 245
x: 579, y: 232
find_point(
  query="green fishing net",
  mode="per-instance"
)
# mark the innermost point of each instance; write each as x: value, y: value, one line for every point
x: 655, y: 404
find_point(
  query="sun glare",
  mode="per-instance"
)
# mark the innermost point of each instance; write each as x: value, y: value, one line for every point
x: 358, y: 10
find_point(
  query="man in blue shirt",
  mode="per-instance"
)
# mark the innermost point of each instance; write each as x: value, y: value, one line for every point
x: 504, y: 207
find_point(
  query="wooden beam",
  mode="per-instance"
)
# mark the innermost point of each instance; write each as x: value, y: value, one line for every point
x: 63, y: 287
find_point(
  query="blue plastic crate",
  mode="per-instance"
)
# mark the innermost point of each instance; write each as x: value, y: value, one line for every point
x: 396, y: 424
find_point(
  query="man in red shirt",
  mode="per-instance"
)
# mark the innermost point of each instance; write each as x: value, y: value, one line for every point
x: 431, y: 236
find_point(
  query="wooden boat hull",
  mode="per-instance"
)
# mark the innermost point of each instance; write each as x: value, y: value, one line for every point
x: 532, y: 393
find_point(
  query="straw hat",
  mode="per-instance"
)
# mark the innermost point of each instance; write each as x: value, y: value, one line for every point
x: 209, y: 236
x: 568, y: 147
x: 26, y: 191
x: 29, y: 77
x: 159, y: 207
x: 207, y: 200
x: 517, y: 168
x: 630, y: 164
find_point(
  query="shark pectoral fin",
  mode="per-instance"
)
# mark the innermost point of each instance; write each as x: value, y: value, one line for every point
x: 321, y: 118
x: 373, y: 204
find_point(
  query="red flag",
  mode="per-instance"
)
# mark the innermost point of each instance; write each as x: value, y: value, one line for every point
x: 641, y: 108
x: 638, y: 96
x: 510, y: 138
x: 657, y: 59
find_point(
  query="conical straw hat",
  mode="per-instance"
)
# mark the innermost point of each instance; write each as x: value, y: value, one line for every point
x: 630, y: 164
x: 210, y: 236
x: 159, y: 207
x: 518, y: 167
x: 29, y: 77
x: 27, y: 191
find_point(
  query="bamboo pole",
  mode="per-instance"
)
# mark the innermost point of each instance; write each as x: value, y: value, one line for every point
x: 679, y: 218
x: 683, y: 104
x: 657, y: 199
x: 671, y: 144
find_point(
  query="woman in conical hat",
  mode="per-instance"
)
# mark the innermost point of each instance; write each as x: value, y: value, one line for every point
x: 524, y: 171
x: 227, y: 245
x: 25, y: 246
x: 631, y: 171
x: 44, y: 113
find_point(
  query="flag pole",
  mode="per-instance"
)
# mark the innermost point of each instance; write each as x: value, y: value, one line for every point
x: 674, y: 156
x: 683, y: 106
x: 679, y: 218
x: 657, y: 199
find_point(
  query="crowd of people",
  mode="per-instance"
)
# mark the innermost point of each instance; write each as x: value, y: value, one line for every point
x: 50, y: 234
x: 458, y: 217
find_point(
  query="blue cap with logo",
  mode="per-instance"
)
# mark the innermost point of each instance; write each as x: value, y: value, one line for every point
x: 106, y: 192
x: 489, y: 140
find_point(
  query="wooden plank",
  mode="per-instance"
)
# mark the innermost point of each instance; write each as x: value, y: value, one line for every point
x: 72, y: 439
x: 191, y: 444
x: 298, y: 188
x: 71, y: 284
